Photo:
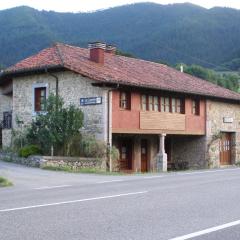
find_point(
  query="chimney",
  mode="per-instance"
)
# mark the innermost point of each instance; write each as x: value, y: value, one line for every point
x: 97, y: 50
x: 111, y: 49
x: 181, y: 68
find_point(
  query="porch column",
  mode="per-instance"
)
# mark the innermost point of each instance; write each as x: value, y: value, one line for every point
x: 162, y: 156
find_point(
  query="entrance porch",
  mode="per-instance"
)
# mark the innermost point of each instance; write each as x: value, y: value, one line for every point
x: 151, y: 153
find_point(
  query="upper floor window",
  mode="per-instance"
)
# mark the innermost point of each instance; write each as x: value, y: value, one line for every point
x: 125, y: 100
x: 176, y: 105
x: 40, y: 95
x: 144, y: 102
x: 165, y: 104
x: 156, y: 103
x: 150, y: 103
x: 195, y: 107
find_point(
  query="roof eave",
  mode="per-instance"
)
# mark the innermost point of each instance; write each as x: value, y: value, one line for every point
x: 7, y: 75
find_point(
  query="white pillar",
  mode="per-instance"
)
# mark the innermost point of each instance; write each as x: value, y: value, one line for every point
x: 162, y: 156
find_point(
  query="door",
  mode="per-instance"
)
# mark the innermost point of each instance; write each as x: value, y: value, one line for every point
x: 144, y: 155
x: 225, y: 149
x: 125, y: 154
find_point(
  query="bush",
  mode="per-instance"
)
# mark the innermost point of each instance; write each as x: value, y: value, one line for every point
x: 29, y: 150
x: 90, y: 147
x: 4, y: 182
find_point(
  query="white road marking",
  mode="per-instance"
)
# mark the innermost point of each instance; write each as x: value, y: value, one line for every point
x: 52, y: 187
x: 110, y: 181
x: 153, y: 177
x: 73, y: 201
x: 208, y: 171
x: 206, y: 231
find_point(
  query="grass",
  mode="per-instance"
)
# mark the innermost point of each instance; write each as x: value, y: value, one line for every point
x: 4, y: 182
x: 82, y: 170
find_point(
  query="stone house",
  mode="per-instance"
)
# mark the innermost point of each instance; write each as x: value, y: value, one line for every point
x: 159, y: 118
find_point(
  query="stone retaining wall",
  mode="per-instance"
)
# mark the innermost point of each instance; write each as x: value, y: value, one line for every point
x: 75, y: 163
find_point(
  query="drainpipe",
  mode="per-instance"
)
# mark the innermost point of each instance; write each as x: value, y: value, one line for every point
x: 108, y: 131
x: 109, y: 144
x: 56, y: 78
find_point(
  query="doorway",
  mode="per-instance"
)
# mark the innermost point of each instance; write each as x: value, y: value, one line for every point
x: 144, y: 155
x: 225, y: 148
x: 125, y: 150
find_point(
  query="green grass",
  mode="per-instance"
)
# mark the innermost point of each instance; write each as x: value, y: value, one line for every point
x: 4, y: 182
x: 82, y: 170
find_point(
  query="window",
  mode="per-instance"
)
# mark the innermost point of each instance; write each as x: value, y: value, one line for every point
x: 40, y: 99
x: 177, y: 105
x: 156, y: 104
x: 195, y: 107
x: 144, y: 102
x: 165, y: 104
x: 125, y: 100
x: 150, y: 103
x: 7, y: 120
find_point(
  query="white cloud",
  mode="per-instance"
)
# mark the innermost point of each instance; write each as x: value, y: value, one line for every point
x: 90, y: 5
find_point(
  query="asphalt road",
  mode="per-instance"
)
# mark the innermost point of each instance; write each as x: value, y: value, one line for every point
x: 61, y: 206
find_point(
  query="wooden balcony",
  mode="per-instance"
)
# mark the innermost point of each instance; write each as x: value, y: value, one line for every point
x: 162, y: 121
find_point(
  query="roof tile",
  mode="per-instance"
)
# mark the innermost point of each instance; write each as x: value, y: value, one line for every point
x: 124, y: 70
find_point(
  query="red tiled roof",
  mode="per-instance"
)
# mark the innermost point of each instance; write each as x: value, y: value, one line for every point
x: 122, y: 70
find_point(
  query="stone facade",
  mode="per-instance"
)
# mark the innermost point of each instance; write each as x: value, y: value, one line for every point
x: 216, y: 112
x: 6, y: 137
x: 190, y: 149
x: 72, y: 87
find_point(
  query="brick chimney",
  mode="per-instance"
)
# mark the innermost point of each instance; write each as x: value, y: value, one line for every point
x: 111, y: 49
x: 97, y: 50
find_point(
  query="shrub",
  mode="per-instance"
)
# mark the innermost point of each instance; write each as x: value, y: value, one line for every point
x: 114, y: 153
x: 56, y: 127
x: 4, y: 182
x: 29, y: 150
x: 90, y: 147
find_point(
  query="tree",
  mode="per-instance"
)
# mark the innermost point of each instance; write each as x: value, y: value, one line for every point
x: 227, y: 80
x: 56, y: 127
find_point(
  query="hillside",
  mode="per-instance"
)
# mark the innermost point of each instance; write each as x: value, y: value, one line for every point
x: 172, y: 33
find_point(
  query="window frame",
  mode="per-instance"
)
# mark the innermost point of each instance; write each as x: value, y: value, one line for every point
x: 34, y: 87
x: 195, y: 110
x: 161, y: 103
x: 144, y: 103
x: 127, y: 100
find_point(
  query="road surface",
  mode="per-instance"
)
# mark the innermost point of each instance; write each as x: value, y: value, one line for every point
x: 50, y: 205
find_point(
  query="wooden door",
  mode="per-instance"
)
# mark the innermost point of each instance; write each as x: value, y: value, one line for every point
x: 125, y: 154
x: 144, y: 155
x: 225, y: 149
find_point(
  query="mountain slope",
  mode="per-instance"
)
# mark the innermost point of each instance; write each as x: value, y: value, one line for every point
x: 173, y: 33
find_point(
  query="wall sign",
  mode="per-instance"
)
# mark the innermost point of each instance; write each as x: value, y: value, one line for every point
x: 228, y: 120
x: 90, y: 101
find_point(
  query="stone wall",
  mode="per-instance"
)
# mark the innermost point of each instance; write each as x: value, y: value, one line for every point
x: 190, y: 149
x: 6, y: 138
x: 216, y: 112
x: 72, y: 87
x: 73, y: 163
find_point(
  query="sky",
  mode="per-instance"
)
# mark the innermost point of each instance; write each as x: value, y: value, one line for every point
x: 92, y: 5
